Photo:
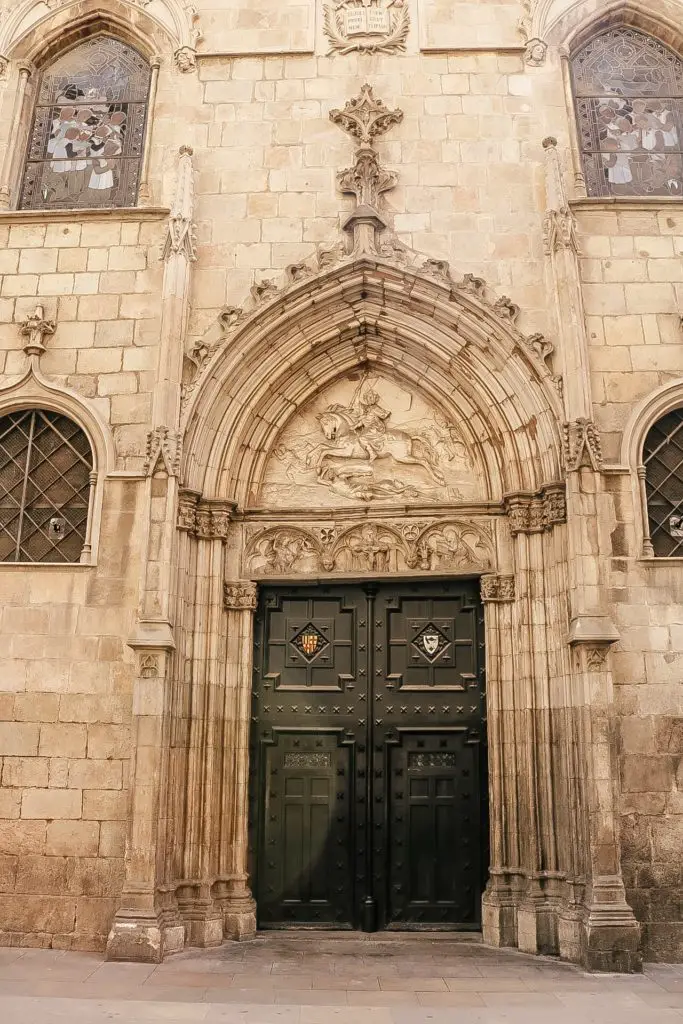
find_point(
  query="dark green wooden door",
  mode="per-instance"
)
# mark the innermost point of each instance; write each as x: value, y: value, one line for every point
x: 368, y: 787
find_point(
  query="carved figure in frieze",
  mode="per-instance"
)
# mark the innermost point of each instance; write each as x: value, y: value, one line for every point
x: 373, y: 443
x: 368, y: 548
x: 282, y: 551
x: 448, y: 547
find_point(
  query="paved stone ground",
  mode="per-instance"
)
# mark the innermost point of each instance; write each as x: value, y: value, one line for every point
x: 315, y: 979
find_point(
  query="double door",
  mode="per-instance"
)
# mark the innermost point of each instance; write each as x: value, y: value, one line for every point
x: 368, y: 788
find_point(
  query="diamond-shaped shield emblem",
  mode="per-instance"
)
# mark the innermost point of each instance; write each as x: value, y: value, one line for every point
x: 310, y: 642
x: 431, y: 642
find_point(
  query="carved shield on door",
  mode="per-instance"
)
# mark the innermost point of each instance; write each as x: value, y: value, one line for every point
x: 430, y: 642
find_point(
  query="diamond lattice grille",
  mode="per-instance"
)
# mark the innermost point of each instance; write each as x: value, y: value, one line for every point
x: 45, y: 467
x: 663, y: 458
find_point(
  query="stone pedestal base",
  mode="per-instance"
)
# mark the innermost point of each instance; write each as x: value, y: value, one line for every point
x: 611, y: 944
x: 498, y: 920
x: 239, y: 910
x: 142, y: 938
x: 205, y: 932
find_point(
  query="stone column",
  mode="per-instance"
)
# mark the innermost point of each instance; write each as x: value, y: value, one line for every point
x: 607, y: 932
x: 499, y: 920
x: 144, y: 928
x: 239, y: 908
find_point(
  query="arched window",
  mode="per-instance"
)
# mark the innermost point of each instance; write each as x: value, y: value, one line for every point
x: 85, y: 146
x: 629, y: 99
x: 663, y: 460
x: 46, y: 473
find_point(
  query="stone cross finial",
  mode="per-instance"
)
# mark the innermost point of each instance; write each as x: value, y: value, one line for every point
x: 366, y: 119
x: 36, y: 328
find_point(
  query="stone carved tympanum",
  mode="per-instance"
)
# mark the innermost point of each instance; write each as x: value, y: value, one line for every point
x: 368, y: 440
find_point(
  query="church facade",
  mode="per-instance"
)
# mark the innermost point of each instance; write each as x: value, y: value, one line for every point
x: 341, y: 462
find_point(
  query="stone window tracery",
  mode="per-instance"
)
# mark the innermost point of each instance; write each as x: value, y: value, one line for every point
x: 87, y: 136
x: 628, y: 90
x: 46, y: 477
x: 663, y: 462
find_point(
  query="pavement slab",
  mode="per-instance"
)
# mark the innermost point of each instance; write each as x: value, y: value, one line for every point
x: 309, y: 978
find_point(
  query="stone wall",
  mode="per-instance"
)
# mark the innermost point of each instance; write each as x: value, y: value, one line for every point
x: 66, y: 676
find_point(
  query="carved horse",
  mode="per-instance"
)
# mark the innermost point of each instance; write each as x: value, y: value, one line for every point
x: 349, y: 443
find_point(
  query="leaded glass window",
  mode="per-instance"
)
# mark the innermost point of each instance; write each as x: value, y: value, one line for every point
x: 45, y: 478
x: 629, y: 100
x: 86, y: 140
x: 663, y: 459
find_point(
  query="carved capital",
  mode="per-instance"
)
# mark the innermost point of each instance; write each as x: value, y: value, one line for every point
x: 366, y: 118
x: 582, y: 445
x: 534, y: 513
x: 240, y: 596
x: 212, y: 520
x: 163, y: 446
x: 497, y: 587
x: 187, y: 510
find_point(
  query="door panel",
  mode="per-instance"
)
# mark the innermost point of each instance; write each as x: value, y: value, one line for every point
x: 367, y: 762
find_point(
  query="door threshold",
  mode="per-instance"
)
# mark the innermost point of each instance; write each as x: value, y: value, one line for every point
x: 332, y: 935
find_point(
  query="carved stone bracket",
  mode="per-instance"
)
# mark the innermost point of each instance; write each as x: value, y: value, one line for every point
x: 35, y: 328
x: 368, y: 26
x: 497, y: 588
x: 536, y: 513
x: 240, y: 596
x: 536, y: 53
x: 582, y: 445
x: 185, y: 59
x: 204, y: 518
x: 163, y: 446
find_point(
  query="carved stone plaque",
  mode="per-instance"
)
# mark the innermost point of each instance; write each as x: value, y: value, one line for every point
x: 369, y: 440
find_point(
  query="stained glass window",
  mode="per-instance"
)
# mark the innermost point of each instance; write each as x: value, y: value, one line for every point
x: 629, y: 98
x: 88, y: 129
x: 45, y: 478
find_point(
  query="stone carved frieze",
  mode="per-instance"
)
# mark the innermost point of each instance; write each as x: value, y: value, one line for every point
x: 367, y: 26
x: 368, y: 547
x: 536, y: 513
x: 164, y: 449
x: 497, y: 587
x: 240, y: 596
x: 582, y: 445
x: 367, y: 441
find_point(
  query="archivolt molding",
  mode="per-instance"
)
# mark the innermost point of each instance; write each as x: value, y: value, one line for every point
x: 35, y: 30
x: 403, y: 545
x: 463, y: 352
x: 206, y: 352
x: 570, y: 23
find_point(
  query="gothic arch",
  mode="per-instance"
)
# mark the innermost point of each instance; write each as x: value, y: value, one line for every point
x: 459, y: 352
x: 36, y: 34
x: 571, y: 25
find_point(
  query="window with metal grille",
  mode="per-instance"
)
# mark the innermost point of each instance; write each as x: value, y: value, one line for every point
x: 628, y: 89
x: 45, y: 477
x: 663, y: 460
